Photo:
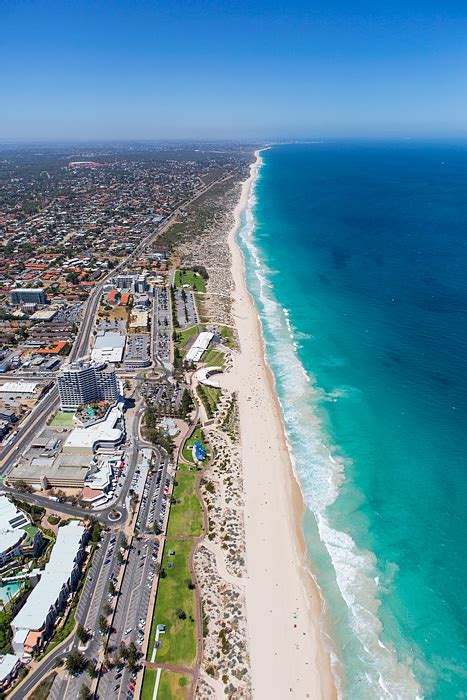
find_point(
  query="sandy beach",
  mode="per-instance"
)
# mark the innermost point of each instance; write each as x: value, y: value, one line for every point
x: 287, y: 653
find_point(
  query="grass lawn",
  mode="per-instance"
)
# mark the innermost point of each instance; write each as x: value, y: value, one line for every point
x: 178, y: 644
x: 210, y: 397
x: 184, y: 336
x: 187, y: 447
x: 214, y: 358
x: 227, y: 333
x: 186, y: 516
x: 173, y: 685
x: 193, y: 279
x: 62, y: 419
x: 41, y: 692
x: 149, y: 681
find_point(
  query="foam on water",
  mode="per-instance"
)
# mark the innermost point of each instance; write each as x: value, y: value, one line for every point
x: 377, y: 672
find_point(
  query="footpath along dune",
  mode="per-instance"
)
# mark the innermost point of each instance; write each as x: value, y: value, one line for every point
x: 288, y: 657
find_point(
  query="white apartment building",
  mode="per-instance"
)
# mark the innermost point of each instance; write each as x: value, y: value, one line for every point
x: 83, y: 382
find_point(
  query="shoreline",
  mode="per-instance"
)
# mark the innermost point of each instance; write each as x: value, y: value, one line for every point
x: 284, y: 605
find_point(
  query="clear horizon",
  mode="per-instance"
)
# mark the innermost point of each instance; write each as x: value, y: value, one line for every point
x: 268, y: 72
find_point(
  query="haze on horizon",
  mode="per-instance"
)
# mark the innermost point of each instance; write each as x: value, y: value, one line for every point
x: 262, y: 70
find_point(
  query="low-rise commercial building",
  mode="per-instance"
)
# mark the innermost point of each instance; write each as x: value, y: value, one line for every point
x: 108, y: 347
x: 137, y: 351
x: 199, y: 347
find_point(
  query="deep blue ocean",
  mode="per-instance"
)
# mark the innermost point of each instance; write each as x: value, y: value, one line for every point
x: 356, y: 256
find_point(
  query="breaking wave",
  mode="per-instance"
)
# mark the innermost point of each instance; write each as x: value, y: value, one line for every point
x: 376, y: 670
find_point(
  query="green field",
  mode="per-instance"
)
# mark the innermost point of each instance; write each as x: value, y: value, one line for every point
x: 173, y: 685
x: 227, y: 333
x: 187, y: 447
x: 62, y: 419
x: 209, y: 396
x: 186, y: 517
x: 149, y: 681
x: 214, y: 358
x: 194, y: 280
x: 178, y: 644
x: 184, y: 336
x: 42, y: 691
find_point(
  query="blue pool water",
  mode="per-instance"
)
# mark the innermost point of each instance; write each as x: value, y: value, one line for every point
x: 356, y: 256
x: 8, y: 591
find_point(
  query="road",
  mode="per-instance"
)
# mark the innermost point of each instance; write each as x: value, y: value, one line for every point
x: 133, y: 600
x: 38, y: 417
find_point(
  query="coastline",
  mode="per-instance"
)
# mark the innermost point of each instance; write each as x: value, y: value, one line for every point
x: 284, y: 606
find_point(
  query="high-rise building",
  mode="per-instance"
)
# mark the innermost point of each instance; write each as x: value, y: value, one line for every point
x: 83, y: 382
x: 141, y: 285
x: 28, y: 296
x: 124, y: 281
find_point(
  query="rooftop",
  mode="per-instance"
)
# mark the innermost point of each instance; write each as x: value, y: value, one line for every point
x: 57, y: 572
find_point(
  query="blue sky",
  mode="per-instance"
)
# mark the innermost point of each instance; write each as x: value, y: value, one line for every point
x: 262, y: 70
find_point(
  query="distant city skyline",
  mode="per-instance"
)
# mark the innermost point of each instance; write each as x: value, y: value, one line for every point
x: 139, y: 70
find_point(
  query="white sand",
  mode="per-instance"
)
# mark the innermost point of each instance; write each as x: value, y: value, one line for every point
x: 288, y: 657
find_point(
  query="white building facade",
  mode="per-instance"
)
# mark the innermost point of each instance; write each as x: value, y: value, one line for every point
x: 83, y: 382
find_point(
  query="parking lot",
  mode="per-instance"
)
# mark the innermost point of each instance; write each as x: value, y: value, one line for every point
x: 137, y: 351
x: 162, y: 325
x: 186, y: 308
x: 134, y: 598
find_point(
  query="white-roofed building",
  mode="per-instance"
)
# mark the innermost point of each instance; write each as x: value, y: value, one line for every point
x: 16, y: 532
x: 9, y: 664
x: 57, y: 581
x: 18, y: 388
x: 199, y: 347
x: 108, y: 347
x: 105, y: 433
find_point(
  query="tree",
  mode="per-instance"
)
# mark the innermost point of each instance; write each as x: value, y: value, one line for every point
x: 21, y: 485
x: 90, y: 670
x: 132, y: 656
x: 82, y: 634
x: 84, y: 693
x: 112, y: 589
x: 75, y: 663
x: 107, y: 609
x: 123, y: 541
x: 181, y: 614
x: 103, y: 625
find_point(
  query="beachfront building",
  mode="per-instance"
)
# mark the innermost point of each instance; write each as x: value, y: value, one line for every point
x: 34, y: 622
x: 199, y: 347
x: 18, y: 537
x: 84, y: 382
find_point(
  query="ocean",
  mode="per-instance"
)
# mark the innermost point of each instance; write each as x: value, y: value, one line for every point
x: 356, y: 257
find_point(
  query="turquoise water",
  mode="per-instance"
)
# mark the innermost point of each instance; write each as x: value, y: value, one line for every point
x: 356, y: 256
x: 8, y: 591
